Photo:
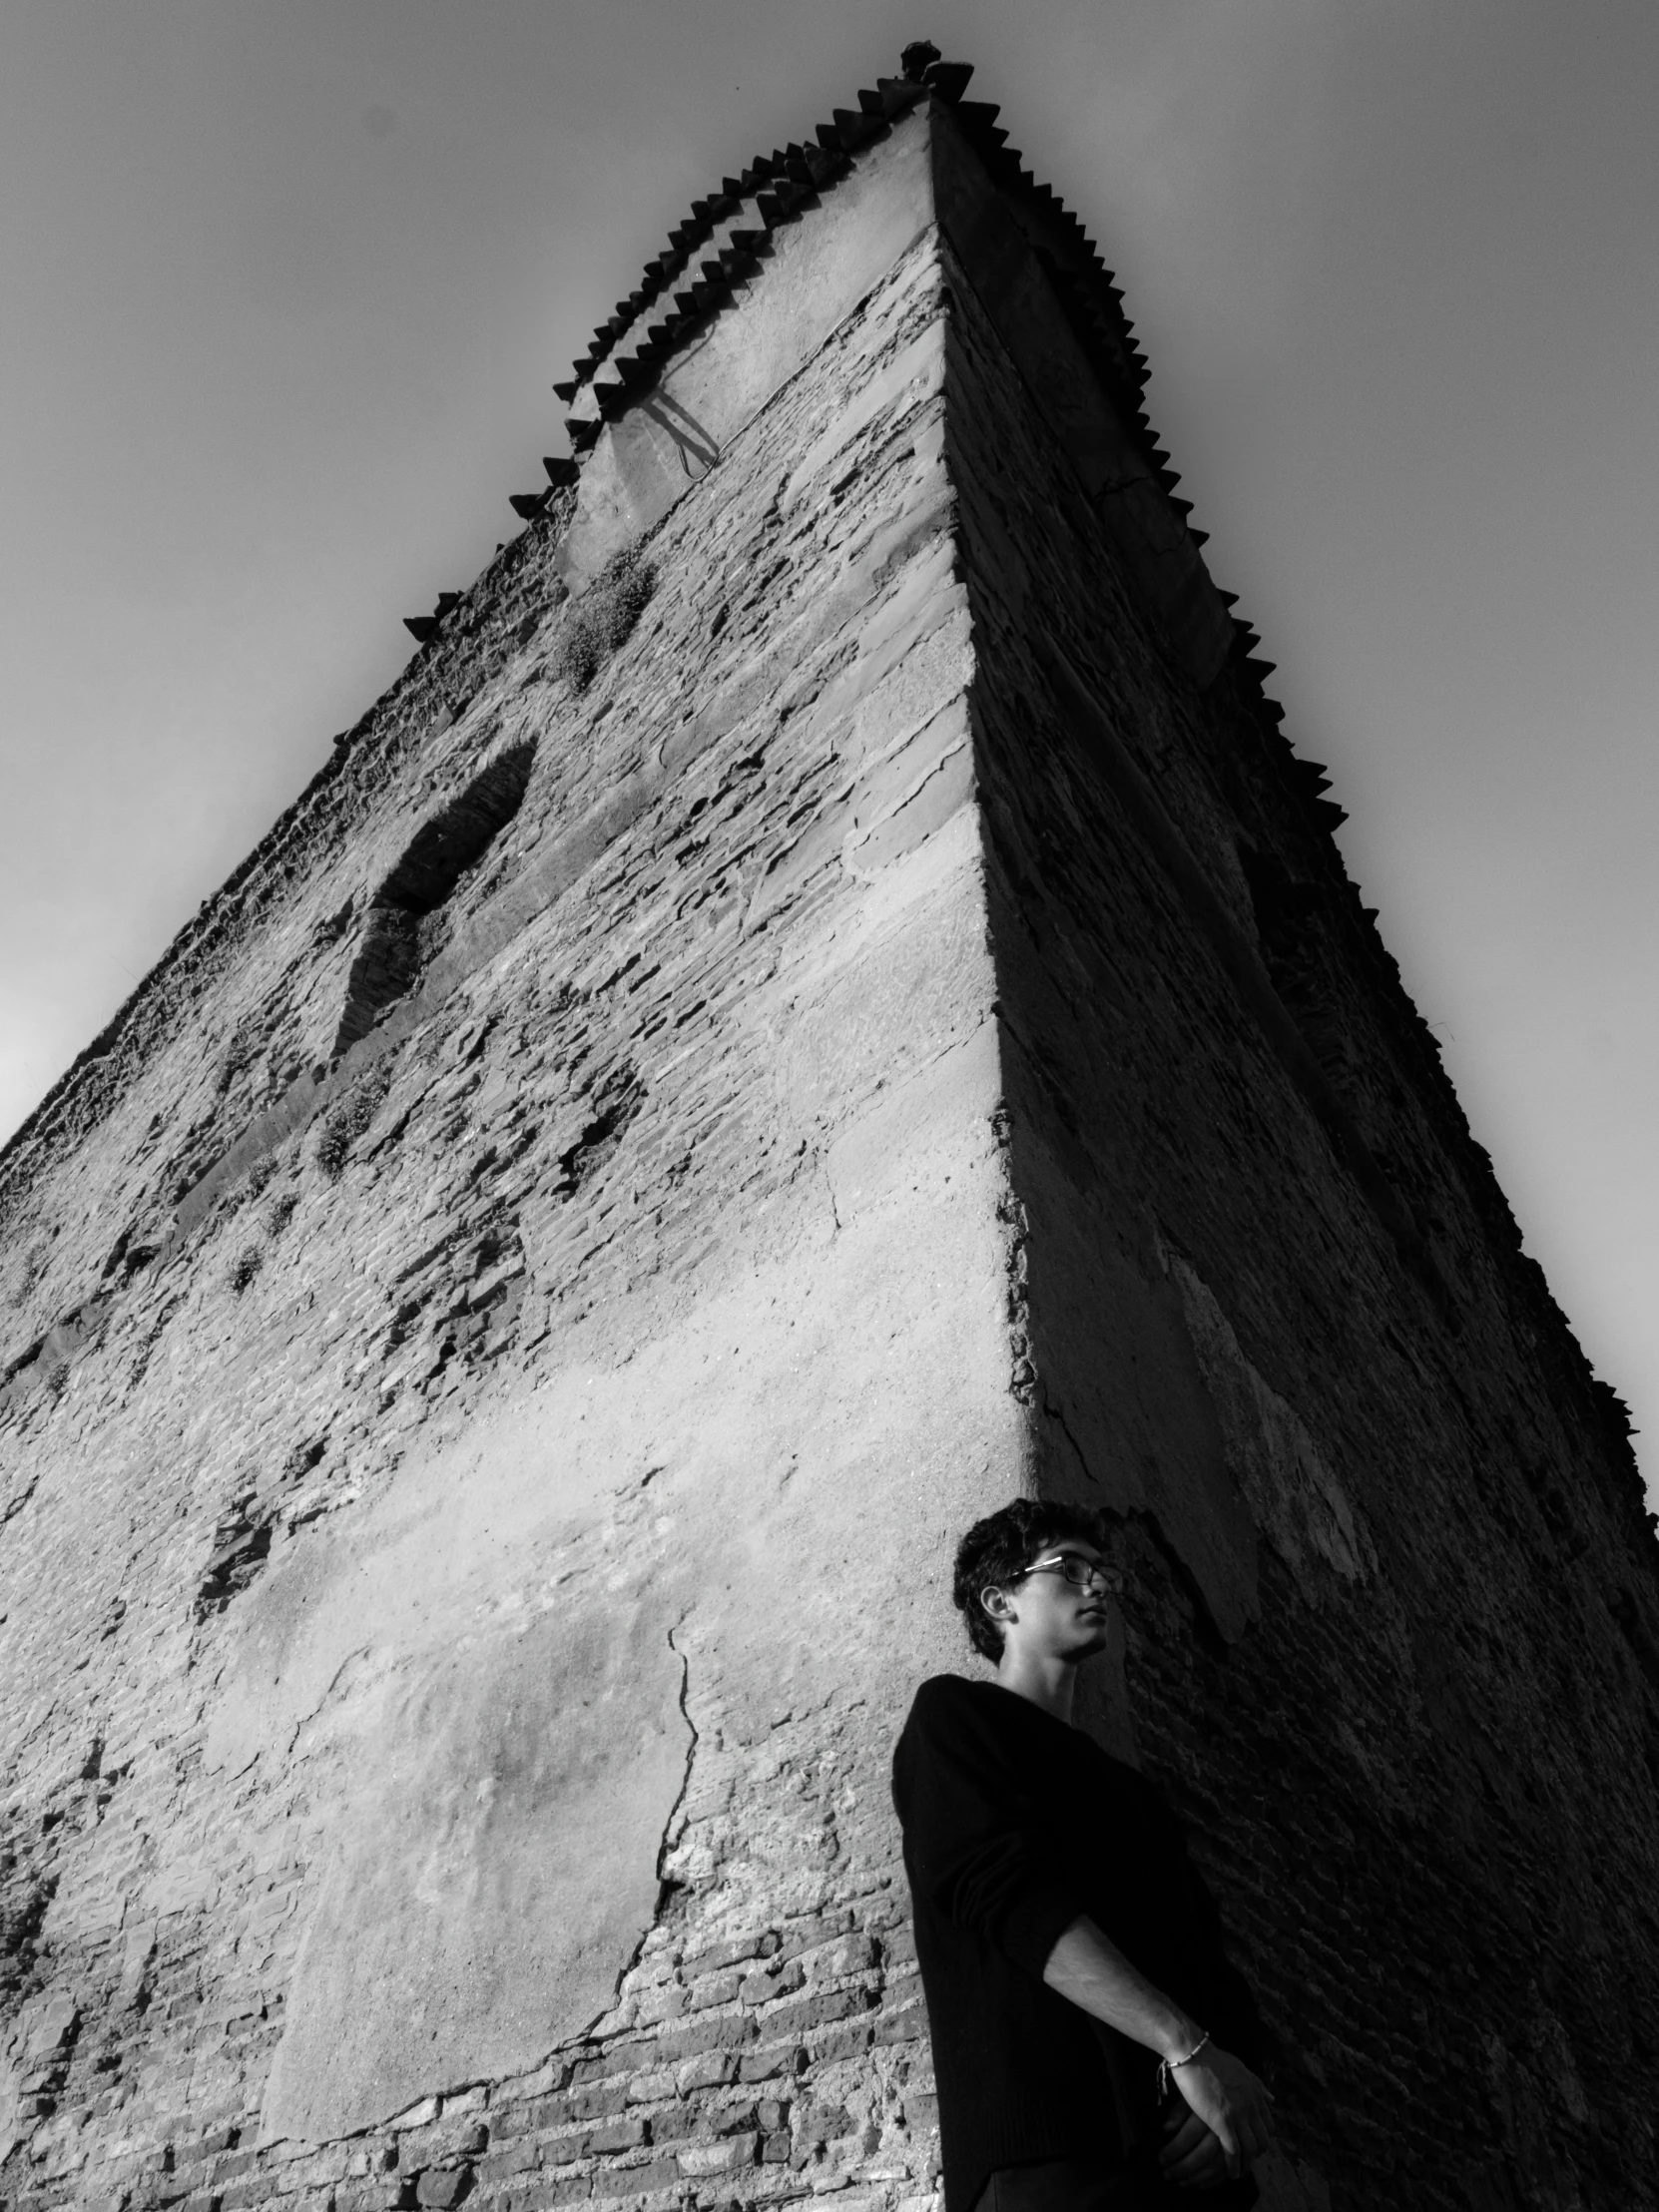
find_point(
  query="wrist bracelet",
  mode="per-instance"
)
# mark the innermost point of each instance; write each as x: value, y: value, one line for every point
x: 1169, y: 2064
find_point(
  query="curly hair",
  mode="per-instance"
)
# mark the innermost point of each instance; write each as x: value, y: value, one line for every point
x: 998, y: 1549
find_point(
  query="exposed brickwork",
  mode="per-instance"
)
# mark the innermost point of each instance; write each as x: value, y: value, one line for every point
x: 368, y: 1276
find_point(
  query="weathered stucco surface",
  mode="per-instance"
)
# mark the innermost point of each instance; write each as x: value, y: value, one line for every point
x: 819, y: 1001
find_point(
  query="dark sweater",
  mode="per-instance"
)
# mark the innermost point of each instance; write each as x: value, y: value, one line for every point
x: 1014, y: 1825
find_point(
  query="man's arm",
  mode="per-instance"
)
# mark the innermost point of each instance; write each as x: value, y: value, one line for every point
x: 975, y: 1847
x: 1232, y: 2108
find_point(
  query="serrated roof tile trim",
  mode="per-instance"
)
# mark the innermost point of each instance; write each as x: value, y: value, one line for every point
x: 788, y: 181
x: 795, y: 173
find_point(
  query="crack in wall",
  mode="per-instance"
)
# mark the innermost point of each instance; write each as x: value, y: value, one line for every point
x: 667, y: 1887
x: 1053, y: 1413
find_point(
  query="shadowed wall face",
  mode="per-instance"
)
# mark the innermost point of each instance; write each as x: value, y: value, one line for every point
x: 485, y: 1434
x: 1377, y: 1522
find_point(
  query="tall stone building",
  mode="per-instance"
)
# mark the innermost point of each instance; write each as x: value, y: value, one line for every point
x: 820, y: 998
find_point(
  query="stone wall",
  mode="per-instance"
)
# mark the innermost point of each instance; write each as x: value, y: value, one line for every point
x: 819, y: 1000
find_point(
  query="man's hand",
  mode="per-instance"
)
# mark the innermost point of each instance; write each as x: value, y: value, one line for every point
x: 1231, y: 2118
x: 1192, y: 2157
x: 1229, y: 2123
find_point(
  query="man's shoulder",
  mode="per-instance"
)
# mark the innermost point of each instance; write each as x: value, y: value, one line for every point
x: 953, y: 1693
x: 951, y: 1705
x: 950, y: 1708
x: 943, y: 1701
x: 951, y: 1728
x: 946, y: 1687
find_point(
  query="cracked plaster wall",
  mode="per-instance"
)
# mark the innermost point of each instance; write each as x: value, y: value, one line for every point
x: 498, y: 1482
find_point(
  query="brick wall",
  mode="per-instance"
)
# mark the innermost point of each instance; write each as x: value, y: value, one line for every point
x: 655, y: 1136
x: 1410, y: 1710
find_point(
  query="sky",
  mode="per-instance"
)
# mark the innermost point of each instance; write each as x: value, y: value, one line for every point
x: 286, y: 284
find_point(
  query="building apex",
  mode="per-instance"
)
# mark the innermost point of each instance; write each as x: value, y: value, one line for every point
x: 727, y: 239
x: 723, y: 236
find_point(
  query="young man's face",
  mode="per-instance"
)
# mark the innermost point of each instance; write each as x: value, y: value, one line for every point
x: 1058, y: 1609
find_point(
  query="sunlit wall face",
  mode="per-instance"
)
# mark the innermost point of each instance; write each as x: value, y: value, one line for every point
x: 286, y: 290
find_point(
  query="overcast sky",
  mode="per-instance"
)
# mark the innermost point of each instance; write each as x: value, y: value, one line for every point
x: 283, y: 286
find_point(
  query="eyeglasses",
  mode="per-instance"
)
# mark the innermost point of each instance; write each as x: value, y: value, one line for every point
x: 1072, y: 1567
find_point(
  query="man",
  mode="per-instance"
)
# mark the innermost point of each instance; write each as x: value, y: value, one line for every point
x: 1087, y: 2026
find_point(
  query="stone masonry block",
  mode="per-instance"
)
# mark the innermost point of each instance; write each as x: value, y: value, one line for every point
x: 652, y: 2088
x: 715, y: 1958
x: 909, y: 2027
x: 809, y: 1936
x: 620, y: 2134
x: 500, y: 2166
x: 776, y: 2060
x: 619, y: 2059
x: 725, y: 2157
x: 725, y: 2032
x: 635, y: 2181
x: 443, y: 2186
x: 847, y: 2041
x: 720, y: 1989
x: 549, y: 2192
x: 675, y: 2123
x: 708, y: 2070
x: 761, y: 1988
x: 800, y: 2015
